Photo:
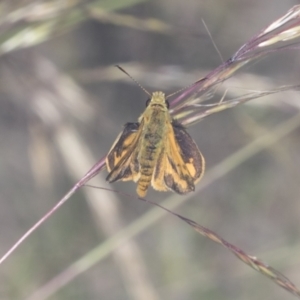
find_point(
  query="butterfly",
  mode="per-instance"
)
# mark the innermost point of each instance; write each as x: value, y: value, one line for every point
x: 156, y: 151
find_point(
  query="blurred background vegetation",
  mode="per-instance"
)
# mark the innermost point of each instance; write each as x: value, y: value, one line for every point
x: 62, y: 104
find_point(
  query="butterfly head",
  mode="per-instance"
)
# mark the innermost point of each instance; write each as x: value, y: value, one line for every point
x: 158, y: 99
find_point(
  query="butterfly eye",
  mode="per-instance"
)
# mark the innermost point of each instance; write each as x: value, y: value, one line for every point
x: 147, y: 102
x: 167, y: 104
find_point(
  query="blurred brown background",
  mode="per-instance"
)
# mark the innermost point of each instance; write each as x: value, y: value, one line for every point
x: 62, y: 104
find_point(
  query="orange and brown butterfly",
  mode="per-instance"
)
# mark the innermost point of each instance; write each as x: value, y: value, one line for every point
x: 156, y: 151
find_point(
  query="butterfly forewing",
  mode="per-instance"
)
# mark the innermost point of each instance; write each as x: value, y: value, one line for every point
x: 180, y: 164
x: 190, y: 154
x: 119, y: 158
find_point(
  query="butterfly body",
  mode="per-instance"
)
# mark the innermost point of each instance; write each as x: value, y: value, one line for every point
x: 154, y: 132
x: 157, y: 150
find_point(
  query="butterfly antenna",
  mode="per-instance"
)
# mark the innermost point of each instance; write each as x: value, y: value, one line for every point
x: 121, y: 69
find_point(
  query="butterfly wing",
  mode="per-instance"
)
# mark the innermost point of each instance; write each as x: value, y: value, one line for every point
x: 121, y: 161
x: 189, y: 152
x: 180, y: 164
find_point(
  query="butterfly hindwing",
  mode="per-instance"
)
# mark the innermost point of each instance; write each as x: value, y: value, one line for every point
x: 158, y: 181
